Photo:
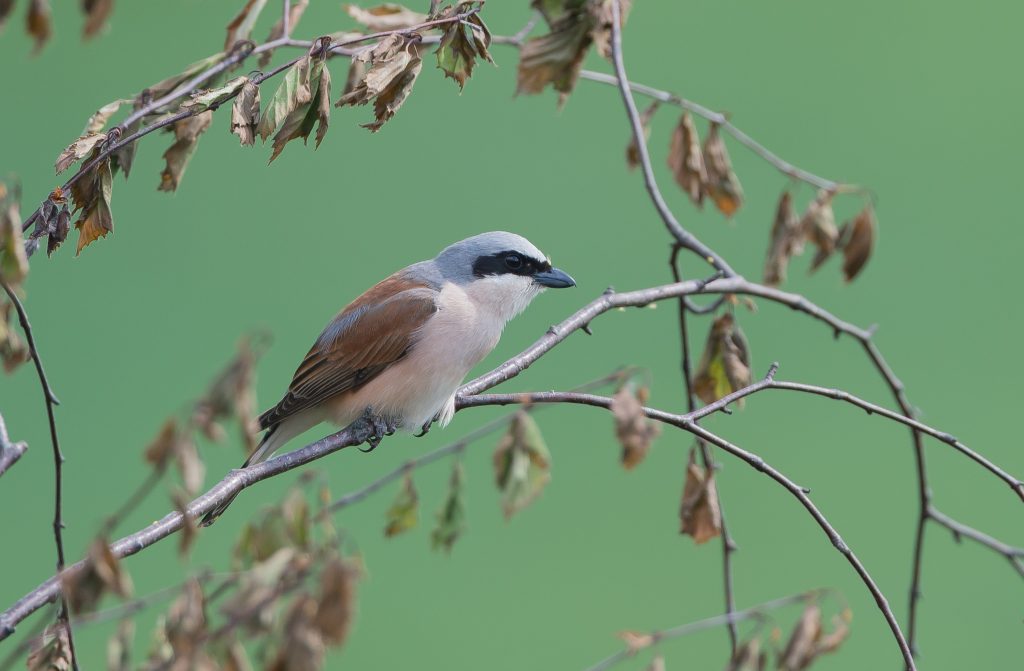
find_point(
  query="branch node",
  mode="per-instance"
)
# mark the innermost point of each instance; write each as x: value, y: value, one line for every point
x: 586, y: 329
x: 772, y: 370
x: 841, y: 545
x: 610, y: 291
x: 805, y: 490
x: 725, y: 410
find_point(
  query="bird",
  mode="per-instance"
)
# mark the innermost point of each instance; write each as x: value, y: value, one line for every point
x: 396, y: 355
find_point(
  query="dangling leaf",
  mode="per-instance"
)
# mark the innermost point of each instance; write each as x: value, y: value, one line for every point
x: 119, y: 647
x: 241, y: 26
x: 404, y: 512
x: 337, y: 607
x: 201, y: 101
x: 91, y: 195
x: 394, y: 64
x: 632, y: 427
x: 602, y: 31
x: 632, y: 150
x: 245, y: 113
x: 13, y: 259
x: 299, y: 123
x: 858, y: 239
x: 51, y: 651
x: 96, y: 14
x: 100, y: 117
x: 748, y: 657
x: 178, y: 155
x: 232, y: 394
x: 172, y: 442
x: 786, y: 240
x: 77, y: 150
x: 294, y: 90
x: 461, y: 44
x: 801, y: 649
x: 185, y: 625
x: 557, y: 57
x: 723, y: 187
x: 13, y: 350
x: 385, y: 17
x: 699, y: 514
x: 39, y: 23
x: 102, y: 573
x: 725, y: 365
x: 686, y: 160
x: 522, y: 464
x: 451, y: 520
x: 819, y: 226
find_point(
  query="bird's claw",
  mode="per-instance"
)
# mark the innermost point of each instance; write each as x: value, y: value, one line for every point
x: 379, y: 427
x: 425, y: 429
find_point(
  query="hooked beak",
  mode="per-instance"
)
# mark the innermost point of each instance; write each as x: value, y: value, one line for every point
x: 554, y: 279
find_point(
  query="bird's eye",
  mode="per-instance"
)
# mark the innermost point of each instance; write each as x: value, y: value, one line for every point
x: 513, y: 262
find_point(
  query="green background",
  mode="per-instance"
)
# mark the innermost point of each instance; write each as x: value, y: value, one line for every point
x: 916, y: 100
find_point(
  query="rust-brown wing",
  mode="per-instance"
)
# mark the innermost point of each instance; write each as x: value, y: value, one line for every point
x: 368, y: 336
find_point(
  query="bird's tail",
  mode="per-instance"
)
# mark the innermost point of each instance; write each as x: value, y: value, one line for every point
x: 271, y: 441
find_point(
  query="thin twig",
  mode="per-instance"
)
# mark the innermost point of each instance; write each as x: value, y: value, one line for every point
x: 10, y: 451
x: 58, y: 460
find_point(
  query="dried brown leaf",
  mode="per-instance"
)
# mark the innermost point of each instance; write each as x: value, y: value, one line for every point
x: 723, y: 186
x: 96, y: 14
x: 337, y: 606
x: 633, y: 429
x: 92, y: 196
x: 294, y: 90
x: 555, y: 58
x: 51, y: 651
x: 102, y: 573
x: 39, y: 23
x: 522, y: 464
x: 632, y: 150
x: 858, y: 240
x: 177, y: 156
x: 748, y: 657
x: 404, y: 511
x: 451, y: 520
x: 235, y: 658
x: 100, y: 117
x: 686, y: 160
x: 13, y: 259
x: 384, y: 17
x: 802, y: 647
x: 245, y: 113
x: 232, y: 394
x: 601, y: 33
x: 786, y: 241
x: 185, y: 626
x: 13, y: 350
x: 393, y: 65
x: 240, y: 27
x: 78, y: 149
x: 462, y: 43
x: 303, y: 648
x: 172, y: 442
x: 699, y: 514
x: 119, y: 646
x: 831, y: 641
x: 725, y: 364
x: 819, y: 226
x: 316, y: 111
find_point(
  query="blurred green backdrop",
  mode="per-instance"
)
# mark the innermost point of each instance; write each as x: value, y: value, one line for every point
x: 914, y: 100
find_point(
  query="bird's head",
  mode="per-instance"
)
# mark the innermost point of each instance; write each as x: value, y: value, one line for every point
x: 504, y: 269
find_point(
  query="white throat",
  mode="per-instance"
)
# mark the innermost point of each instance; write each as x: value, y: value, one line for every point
x: 503, y: 296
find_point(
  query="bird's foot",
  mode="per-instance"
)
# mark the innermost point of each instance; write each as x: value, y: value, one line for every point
x: 425, y: 429
x: 379, y: 427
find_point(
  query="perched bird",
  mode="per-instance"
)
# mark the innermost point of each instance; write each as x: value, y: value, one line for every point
x: 395, y: 356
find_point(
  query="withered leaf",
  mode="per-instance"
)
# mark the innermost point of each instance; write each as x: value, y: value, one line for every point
x: 13, y: 350
x: 723, y: 187
x: 51, y: 651
x: 337, y: 606
x: 119, y: 647
x: 299, y: 123
x: 240, y: 27
x: 699, y: 514
x: 232, y: 393
x: 39, y: 23
x: 858, y: 239
x: 748, y: 657
x: 657, y: 664
x: 633, y: 429
x: 252, y: 604
x: 801, y: 649
x: 393, y: 65
x: 235, y: 657
x: 294, y: 90
x: 403, y: 513
x: 303, y: 648
x: 96, y: 14
x: 185, y: 626
x: 172, y: 442
x: 632, y: 150
x: 296, y: 10
x: 819, y: 226
x: 388, y: 16
x: 522, y: 464
x: 92, y: 197
x: 177, y: 156
x: 636, y: 640
x: 725, y: 364
x: 686, y: 160
x: 100, y: 117
x: 451, y: 520
x: 189, y: 530
x: 245, y: 113
x: 786, y: 241
x: 200, y: 101
x: 556, y: 57
x: 102, y: 573
x: 78, y: 150
x: 602, y: 31
x: 461, y: 44
x: 59, y: 233
x: 13, y: 259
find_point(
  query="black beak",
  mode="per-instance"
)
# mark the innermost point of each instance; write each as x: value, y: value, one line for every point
x: 554, y: 279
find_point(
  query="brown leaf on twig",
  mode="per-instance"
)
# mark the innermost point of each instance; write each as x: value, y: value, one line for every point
x: 235, y: 658
x: 100, y: 117
x: 51, y: 651
x: 232, y: 394
x: 119, y: 646
x: 96, y: 14
x: 240, y: 27
x: 857, y: 239
x: 297, y: 9
x: 102, y: 573
x: 632, y: 150
x: 522, y: 464
x: 204, y: 99
x: 786, y: 241
x: 699, y: 514
x: 633, y: 429
x: 92, y: 196
x: 601, y: 11
x: 175, y: 443
x: 723, y: 186
x: 748, y: 657
x: 392, y: 67
x: 388, y: 16
x: 13, y: 350
x: 404, y: 512
x: 686, y: 160
x: 245, y: 113
x: 13, y: 259
x: 725, y: 364
x: 337, y: 606
x: 78, y: 149
x: 38, y: 23
x: 177, y: 156
x: 165, y: 86
x: 185, y: 626
x: 316, y: 111
x: 801, y: 648
x: 303, y: 648
x: 253, y: 604
x: 819, y: 226
x: 462, y: 44
x: 451, y: 521
x: 557, y: 57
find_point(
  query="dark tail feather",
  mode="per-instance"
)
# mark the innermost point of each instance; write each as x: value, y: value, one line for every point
x: 260, y: 454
